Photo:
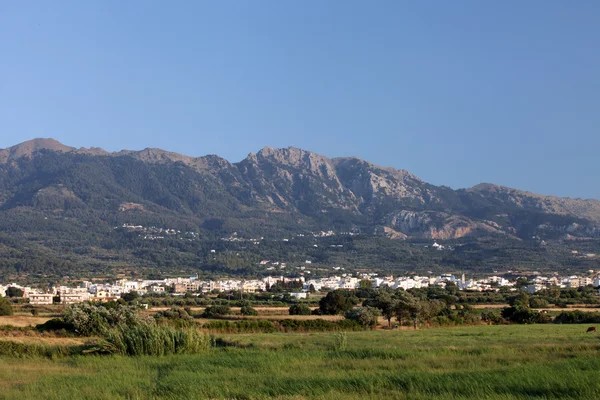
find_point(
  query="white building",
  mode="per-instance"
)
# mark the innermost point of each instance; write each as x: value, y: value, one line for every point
x: 74, y: 298
x: 41, y: 298
x: 157, y: 289
x: 535, y: 288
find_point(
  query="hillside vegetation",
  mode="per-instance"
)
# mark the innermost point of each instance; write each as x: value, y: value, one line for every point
x: 59, y: 207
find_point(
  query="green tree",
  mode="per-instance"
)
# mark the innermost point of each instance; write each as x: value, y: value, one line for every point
x: 248, y: 310
x: 451, y: 288
x: 14, y: 292
x: 336, y: 302
x: 521, y: 282
x: 216, y: 311
x: 537, y: 302
x: 521, y: 299
x: 365, y: 284
x: 387, y: 304
x: 524, y: 315
x: 429, y: 309
x: 5, y: 307
x: 366, y: 316
x: 300, y: 309
x: 404, y: 305
x: 130, y: 296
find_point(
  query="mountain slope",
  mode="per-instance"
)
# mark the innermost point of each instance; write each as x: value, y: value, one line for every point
x: 273, y: 190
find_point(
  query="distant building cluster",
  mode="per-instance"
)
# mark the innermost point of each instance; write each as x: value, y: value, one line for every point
x: 574, y: 281
x: 89, y: 291
x: 156, y: 233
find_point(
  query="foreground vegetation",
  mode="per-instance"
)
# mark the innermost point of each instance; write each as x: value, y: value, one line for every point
x: 483, y: 362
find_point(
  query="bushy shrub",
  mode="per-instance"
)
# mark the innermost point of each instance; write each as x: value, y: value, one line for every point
x: 286, y: 325
x: 91, y: 319
x: 216, y: 311
x: 492, y: 317
x: 522, y: 315
x: 577, y: 317
x: 248, y: 310
x: 173, y: 313
x: 5, y: 307
x: 177, y: 317
x: 319, y: 325
x: 245, y: 326
x: 300, y: 309
x: 55, y: 324
x: 538, y: 302
x: 366, y: 316
x: 521, y: 299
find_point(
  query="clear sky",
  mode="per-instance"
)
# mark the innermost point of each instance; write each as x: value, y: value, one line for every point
x: 457, y: 92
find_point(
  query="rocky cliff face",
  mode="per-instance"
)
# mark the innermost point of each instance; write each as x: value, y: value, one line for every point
x: 439, y: 225
x: 589, y: 209
x: 302, y: 186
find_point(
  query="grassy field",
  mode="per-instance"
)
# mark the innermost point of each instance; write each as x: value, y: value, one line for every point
x: 483, y: 362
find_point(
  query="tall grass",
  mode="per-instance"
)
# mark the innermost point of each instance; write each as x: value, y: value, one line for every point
x: 483, y: 362
x: 156, y: 341
x: 341, y: 341
x: 24, y: 350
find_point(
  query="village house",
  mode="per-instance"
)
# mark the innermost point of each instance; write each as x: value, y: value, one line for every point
x: 103, y: 293
x: 157, y: 289
x: 72, y: 298
x: 41, y: 298
x: 184, y: 287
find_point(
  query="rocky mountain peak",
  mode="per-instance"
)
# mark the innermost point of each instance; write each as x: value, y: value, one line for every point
x: 154, y: 155
x: 28, y: 148
x: 297, y: 158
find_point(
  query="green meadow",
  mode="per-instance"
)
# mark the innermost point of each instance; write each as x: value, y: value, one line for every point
x: 483, y: 362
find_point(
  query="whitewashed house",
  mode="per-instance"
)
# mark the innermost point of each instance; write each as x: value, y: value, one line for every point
x: 41, y: 298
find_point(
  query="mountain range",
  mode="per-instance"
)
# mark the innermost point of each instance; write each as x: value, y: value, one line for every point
x: 273, y: 190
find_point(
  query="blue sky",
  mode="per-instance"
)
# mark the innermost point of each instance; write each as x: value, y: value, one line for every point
x: 457, y: 92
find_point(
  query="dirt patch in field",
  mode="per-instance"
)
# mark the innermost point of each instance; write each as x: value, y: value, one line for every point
x: 489, y: 305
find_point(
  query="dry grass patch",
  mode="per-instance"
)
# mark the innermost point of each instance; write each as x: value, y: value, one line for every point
x: 46, y: 340
x: 22, y: 320
x: 286, y: 316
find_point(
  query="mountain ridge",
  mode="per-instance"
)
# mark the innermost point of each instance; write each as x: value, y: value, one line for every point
x: 87, y: 212
x: 290, y: 183
x: 152, y: 154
